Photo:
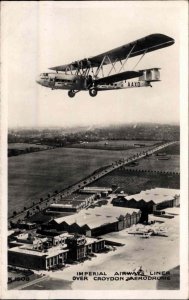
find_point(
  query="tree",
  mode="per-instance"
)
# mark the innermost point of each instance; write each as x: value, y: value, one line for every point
x: 12, y: 224
x: 28, y: 214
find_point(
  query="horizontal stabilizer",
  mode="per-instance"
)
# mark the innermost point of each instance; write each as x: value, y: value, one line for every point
x: 150, y: 69
x: 150, y: 75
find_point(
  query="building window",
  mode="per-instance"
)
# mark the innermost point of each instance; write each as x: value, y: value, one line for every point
x: 51, y: 261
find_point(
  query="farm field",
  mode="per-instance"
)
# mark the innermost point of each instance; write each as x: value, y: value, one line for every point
x: 34, y: 175
x: 115, y: 144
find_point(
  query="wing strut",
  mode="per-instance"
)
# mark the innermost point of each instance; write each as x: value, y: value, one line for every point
x: 141, y: 58
x: 127, y: 57
x: 113, y: 66
x: 98, y: 69
x: 113, y: 63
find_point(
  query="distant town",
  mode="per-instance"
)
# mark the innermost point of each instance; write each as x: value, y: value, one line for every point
x: 87, y: 196
x: 44, y: 138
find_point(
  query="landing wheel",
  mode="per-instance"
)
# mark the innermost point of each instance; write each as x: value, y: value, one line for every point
x: 71, y: 94
x: 93, y: 92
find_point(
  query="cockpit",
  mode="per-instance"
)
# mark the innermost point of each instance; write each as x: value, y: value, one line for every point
x: 60, y: 81
x: 43, y: 78
x: 44, y: 75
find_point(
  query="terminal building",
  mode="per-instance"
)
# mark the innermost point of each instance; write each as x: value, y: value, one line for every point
x: 37, y: 252
x: 150, y: 200
x: 97, y: 221
x: 40, y: 252
x: 80, y: 246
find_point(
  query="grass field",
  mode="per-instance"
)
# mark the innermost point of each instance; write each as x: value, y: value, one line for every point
x: 23, y: 146
x: 114, y: 144
x: 153, y: 163
x: 172, y: 149
x: 34, y: 175
x: 134, y: 182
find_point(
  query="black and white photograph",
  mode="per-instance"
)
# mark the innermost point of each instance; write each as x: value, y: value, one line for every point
x: 94, y: 180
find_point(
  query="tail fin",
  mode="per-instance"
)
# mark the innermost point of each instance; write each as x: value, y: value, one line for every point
x: 150, y: 75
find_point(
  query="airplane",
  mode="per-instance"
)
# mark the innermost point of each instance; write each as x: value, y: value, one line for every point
x: 88, y: 74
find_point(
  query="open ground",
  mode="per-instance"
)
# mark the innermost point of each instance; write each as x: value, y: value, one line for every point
x: 132, y: 182
x: 34, y: 175
x: 155, y: 163
x: 22, y: 146
x: 115, y: 144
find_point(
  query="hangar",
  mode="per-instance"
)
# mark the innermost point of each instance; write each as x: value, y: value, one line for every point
x: 150, y: 200
x: 102, y: 191
x: 72, y: 203
x: 97, y: 221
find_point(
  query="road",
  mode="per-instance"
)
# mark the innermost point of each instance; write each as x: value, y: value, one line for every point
x: 36, y: 281
x: 68, y: 191
x: 111, y: 168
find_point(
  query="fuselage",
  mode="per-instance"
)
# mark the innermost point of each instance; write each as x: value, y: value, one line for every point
x: 82, y: 83
x: 62, y: 81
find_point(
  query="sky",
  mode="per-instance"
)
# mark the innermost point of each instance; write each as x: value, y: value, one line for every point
x: 38, y: 35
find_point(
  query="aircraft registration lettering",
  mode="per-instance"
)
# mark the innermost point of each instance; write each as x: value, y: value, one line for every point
x: 134, y: 84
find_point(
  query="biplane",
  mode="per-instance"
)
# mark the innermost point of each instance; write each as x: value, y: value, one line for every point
x: 107, y: 71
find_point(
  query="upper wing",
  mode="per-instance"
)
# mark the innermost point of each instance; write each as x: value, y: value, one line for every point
x: 118, y: 77
x: 147, y: 44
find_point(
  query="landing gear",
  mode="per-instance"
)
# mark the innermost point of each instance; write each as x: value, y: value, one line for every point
x: 93, y: 92
x: 71, y: 94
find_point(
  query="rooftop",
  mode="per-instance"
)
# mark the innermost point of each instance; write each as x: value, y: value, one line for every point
x: 49, y: 253
x: 97, y: 188
x: 157, y: 195
x: 97, y: 216
x: 33, y: 238
x: 67, y: 204
x: 90, y: 240
x: 76, y: 197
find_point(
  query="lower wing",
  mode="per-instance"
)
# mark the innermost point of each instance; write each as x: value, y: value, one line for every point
x: 118, y: 77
